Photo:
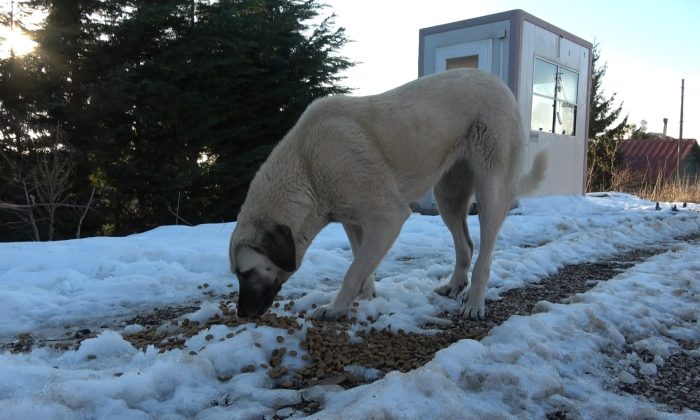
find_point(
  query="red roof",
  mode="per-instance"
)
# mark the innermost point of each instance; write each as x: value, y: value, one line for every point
x: 655, y: 155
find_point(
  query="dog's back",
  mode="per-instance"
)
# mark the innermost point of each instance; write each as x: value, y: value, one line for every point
x: 418, y: 130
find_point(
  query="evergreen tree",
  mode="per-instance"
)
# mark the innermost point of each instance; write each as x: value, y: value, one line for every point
x: 15, y: 114
x: 193, y: 103
x: 604, y: 130
x: 166, y: 108
x: 45, y: 95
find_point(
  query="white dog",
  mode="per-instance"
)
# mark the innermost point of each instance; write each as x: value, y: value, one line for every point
x: 362, y: 161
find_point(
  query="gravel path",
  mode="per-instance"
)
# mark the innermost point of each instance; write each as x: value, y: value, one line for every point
x: 676, y: 383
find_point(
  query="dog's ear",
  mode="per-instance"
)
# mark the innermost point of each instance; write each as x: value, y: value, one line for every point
x: 278, y: 244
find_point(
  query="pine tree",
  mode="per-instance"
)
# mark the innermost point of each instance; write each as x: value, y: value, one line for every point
x: 46, y: 94
x: 193, y: 103
x: 169, y: 107
x: 16, y: 112
x: 287, y: 65
x: 604, y: 130
x: 17, y: 95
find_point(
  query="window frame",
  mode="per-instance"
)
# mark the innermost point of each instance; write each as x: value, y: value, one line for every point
x: 557, y: 102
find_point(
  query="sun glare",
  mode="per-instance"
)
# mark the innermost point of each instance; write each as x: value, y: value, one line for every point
x: 14, y: 41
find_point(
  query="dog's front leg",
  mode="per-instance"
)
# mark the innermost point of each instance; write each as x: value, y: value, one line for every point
x: 379, y: 235
x: 355, y: 235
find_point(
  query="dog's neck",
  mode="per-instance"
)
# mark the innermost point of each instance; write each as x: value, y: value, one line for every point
x: 305, y: 233
x: 303, y: 218
x: 287, y: 199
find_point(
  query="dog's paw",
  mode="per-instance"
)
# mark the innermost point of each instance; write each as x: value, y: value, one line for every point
x: 368, y: 291
x: 474, y: 311
x: 328, y: 313
x: 449, y: 291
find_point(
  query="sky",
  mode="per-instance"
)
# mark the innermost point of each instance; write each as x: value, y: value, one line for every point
x: 569, y: 357
x: 649, y: 46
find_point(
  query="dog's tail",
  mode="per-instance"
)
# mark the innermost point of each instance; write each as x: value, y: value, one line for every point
x: 530, y: 181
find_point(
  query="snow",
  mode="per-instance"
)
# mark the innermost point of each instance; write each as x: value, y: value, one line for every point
x: 564, y: 357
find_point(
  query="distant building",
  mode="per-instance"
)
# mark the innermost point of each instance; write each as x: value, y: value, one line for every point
x: 657, y: 157
x: 548, y: 70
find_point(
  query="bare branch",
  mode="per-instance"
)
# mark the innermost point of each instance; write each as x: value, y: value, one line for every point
x: 82, y: 217
x: 25, y: 207
x: 177, y: 210
x: 177, y: 216
x: 30, y: 213
x: 14, y: 207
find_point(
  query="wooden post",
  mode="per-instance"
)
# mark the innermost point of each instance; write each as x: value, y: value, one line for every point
x: 680, y: 134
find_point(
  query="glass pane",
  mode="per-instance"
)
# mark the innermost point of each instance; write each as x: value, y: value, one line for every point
x: 565, y: 121
x: 468, y: 62
x: 568, y: 87
x: 542, y: 114
x: 545, y: 78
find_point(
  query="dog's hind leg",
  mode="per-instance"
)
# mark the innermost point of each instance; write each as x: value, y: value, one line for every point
x: 495, y: 198
x: 453, y: 194
x: 354, y: 233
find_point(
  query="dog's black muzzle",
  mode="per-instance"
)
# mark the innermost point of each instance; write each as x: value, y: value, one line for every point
x: 254, y: 301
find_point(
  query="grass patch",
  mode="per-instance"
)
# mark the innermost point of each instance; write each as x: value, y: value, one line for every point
x: 680, y: 190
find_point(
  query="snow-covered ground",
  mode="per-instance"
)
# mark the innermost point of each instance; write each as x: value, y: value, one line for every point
x: 565, y: 357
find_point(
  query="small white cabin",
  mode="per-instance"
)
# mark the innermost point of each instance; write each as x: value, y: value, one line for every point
x: 547, y: 69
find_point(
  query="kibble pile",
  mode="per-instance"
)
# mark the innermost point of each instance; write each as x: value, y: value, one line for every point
x: 328, y: 346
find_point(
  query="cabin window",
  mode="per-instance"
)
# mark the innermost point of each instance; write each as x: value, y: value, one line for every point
x: 554, y: 98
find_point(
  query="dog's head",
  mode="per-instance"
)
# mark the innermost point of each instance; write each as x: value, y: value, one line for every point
x: 262, y: 264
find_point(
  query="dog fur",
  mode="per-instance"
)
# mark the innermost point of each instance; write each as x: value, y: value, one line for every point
x: 362, y: 161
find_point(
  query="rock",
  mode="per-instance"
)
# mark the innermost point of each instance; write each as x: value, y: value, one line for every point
x: 660, y: 388
x: 319, y: 392
x: 648, y: 369
x: 626, y: 378
x: 284, y: 412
